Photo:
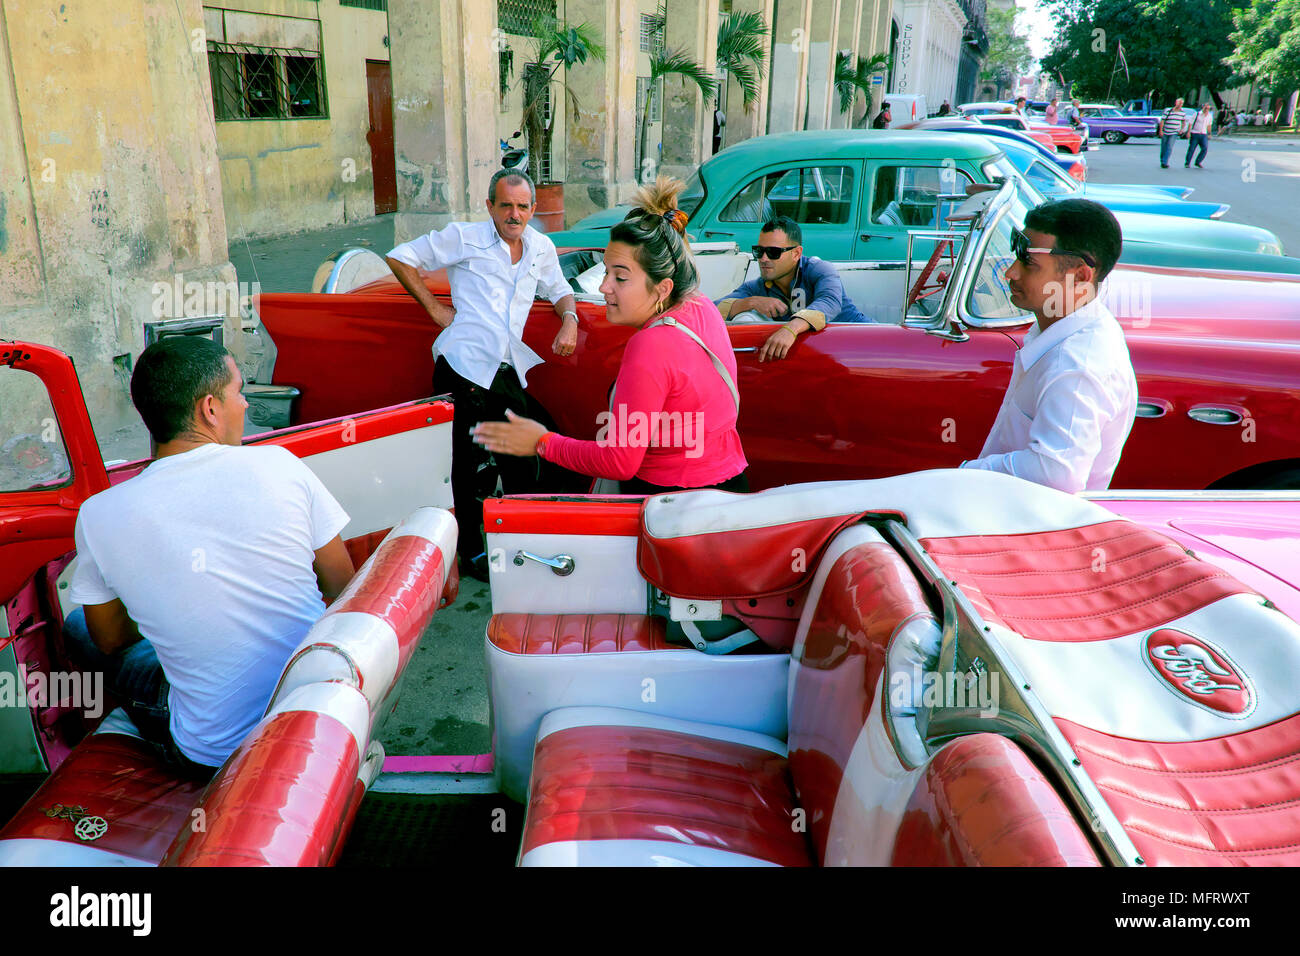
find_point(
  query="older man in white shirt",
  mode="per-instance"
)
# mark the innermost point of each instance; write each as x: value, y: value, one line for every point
x: 496, y: 269
x: 1070, y: 404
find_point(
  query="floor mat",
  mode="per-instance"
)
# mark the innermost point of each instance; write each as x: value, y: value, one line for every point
x: 435, y: 830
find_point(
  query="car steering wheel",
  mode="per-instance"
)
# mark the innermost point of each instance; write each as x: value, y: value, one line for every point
x: 923, y: 287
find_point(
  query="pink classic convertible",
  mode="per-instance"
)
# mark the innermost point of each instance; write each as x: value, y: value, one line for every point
x: 940, y: 668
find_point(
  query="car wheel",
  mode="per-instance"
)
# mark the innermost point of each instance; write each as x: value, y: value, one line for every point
x: 1114, y: 136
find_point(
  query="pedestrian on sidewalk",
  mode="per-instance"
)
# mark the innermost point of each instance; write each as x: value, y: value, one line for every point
x: 1173, y: 124
x: 1199, y: 135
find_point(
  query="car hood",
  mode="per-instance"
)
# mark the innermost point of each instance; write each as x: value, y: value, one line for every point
x: 1140, y: 191
x: 1207, y: 234
x: 1160, y: 204
x: 605, y: 219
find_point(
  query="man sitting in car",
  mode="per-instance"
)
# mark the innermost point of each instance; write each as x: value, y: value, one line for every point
x: 200, y: 575
x: 1070, y: 404
x: 803, y: 289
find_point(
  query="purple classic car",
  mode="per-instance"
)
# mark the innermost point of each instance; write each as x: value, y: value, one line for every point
x: 1113, y: 126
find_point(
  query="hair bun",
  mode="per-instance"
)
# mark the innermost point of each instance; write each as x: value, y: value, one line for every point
x: 659, y: 200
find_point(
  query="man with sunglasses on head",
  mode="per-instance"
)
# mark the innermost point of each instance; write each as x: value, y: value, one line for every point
x: 1070, y: 404
x: 803, y: 289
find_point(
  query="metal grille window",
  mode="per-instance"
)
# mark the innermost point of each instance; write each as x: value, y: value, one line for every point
x: 518, y: 16
x: 652, y: 33
x: 656, y: 108
x: 366, y: 4
x: 253, y: 82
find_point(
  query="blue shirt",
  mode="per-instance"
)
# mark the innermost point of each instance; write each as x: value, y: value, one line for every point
x: 816, y: 294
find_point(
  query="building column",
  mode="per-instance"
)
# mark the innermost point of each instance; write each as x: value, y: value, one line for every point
x: 822, y: 103
x: 444, y: 60
x: 688, y: 115
x: 600, y: 155
x: 742, y: 125
x: 788, y: 73
x: 847, y: 39
x: 873, y: 37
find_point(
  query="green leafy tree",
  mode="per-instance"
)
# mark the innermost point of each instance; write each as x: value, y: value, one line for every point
x: 671, y: 63
x: 556, y: 45
x: 1267, y: 38
x: 742, y: 53
x: 1173, y: 47
x: 1009, y: 54
x: 854, y: 76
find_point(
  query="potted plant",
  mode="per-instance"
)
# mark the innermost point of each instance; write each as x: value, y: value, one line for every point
x: 556, y: 45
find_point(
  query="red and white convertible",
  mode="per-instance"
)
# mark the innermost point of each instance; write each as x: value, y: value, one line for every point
x: 943, y: 668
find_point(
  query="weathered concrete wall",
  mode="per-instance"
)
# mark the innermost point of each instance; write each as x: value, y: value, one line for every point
x: 601, y: 142
x: 741, y: 123
x: 109, y: 182
x: 286, y: 175
x: 688, y: 115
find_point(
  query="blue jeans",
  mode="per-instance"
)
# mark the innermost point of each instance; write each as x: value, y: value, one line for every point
x: 1166, y: 147
x: 1197, y: 139
x: 135, y: 675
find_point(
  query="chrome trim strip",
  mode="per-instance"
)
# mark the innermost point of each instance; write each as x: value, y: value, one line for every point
x: 1143, y: 494
x: 1021, y: 715
x: 1150, y: 410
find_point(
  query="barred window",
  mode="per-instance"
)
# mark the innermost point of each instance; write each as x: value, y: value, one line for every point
x: 652, y: 33
x: 656, y: 108
x: 518, y: 16
x: 366, y: 4
x: 254, y: 82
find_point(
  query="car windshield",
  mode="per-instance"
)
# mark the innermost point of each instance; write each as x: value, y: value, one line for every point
x: 990, y: 298
x: 692, y: 195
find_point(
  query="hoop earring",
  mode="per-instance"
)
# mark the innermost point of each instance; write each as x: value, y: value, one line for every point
x: 659, y: 306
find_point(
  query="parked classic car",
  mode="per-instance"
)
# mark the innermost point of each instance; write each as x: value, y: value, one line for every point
x: 904, y: 692
x: 870, y: 187
x: 1219, y: 389
x: 1074, y: 165
x: 1063, y: 136
x: 1050, y: 182
x: 1114, y: 126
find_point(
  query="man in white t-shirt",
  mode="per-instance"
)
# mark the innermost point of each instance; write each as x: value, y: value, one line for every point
x: 1072, y: 397
x: 200, y: 575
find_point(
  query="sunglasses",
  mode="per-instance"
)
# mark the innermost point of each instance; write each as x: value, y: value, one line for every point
x: 1022, y: 249
x: 771, y: 252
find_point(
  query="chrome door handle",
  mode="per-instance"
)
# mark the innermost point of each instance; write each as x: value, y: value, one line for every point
x: 751, y: 348
x: 561, y: 564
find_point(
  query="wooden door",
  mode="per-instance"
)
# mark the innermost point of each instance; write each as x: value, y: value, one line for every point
x: 379, y: 87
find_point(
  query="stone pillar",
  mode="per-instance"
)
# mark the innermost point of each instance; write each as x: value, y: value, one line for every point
x: 788, y: 74
x: 601, y: 142
x: 743, y: 125
x: 847, y: 39
x: 444, y: 88
x: 822, y: 103
x: 688, y: 115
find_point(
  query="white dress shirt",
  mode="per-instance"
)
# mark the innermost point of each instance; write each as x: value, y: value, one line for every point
x: 492, y: 295
x: 1069, y: 407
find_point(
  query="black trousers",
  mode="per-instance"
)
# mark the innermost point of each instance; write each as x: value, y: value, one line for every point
x: 475, y: 470
x: 636, y: 486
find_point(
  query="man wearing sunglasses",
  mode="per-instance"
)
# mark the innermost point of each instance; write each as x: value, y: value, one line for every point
x: 805, y: 290
x: 1070, y: 404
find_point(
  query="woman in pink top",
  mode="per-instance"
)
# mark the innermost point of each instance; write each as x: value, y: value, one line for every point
x: 672, y: 420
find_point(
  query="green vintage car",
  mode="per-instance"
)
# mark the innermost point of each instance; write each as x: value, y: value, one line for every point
x: 857, y: 193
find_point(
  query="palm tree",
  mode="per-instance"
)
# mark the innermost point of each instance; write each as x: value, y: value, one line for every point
x: 670, y: 63
x: 557, y: 45
x: 850, y: 77
x: 742, y: 52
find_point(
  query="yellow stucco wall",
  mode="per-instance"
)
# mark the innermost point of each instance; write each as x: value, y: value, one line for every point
x: 108, y: 180
x: 282, y: 176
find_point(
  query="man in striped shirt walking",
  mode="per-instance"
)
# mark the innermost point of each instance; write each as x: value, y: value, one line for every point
x: 1172, y: 122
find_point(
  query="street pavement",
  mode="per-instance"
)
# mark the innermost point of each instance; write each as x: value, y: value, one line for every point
x: 1258, y: 175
